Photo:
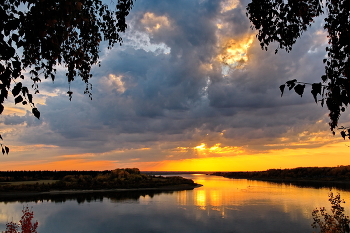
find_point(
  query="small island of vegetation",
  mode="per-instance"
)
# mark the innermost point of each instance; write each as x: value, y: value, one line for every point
x: 38, y: 182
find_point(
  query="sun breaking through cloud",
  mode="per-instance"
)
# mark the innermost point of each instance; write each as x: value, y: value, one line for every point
x: 234, y: 52
x: 203, y: 150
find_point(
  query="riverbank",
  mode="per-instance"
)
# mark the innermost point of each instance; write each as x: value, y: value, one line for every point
x: 336, y: 177
x: 296, y: 180
x: 75, y: 182
x: 307, y: 174
x: 101, y: 191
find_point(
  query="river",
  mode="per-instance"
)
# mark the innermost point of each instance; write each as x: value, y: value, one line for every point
x: 221, y: 205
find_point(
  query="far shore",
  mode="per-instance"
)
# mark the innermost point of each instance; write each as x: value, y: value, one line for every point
x: 180, y: 187
x: 297, y: 180
x: 339, y: 184
x: 287, y: 179
x: 339, y: 175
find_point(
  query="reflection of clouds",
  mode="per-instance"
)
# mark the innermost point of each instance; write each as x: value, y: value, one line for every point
x: 222, y: 195
x: 182, y: 198
x: 276, y: 208
x: 215, y: 198
x: 200, y: 199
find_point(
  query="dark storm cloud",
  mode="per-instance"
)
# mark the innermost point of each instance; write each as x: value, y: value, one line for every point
x: 14, y: 120
x: 171, y: 87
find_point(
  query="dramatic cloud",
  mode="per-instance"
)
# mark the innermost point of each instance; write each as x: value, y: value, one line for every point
x: 189, y: 82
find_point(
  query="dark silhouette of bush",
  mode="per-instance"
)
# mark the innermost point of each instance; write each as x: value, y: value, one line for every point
x: 334, y: 222
x: 118, y: 178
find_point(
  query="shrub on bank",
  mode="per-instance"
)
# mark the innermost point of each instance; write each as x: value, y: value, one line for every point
x: 118, y: 178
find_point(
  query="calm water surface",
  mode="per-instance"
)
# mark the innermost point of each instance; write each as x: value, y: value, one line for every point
x: 221, y: 205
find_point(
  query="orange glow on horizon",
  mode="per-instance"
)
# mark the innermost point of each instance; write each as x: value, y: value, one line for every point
x: 326, y: 156
x: 66, y: 165
x: 203, y: 157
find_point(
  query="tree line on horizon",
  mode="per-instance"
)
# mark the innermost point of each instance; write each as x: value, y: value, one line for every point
x: 339, y: 173
x: 10, y: 176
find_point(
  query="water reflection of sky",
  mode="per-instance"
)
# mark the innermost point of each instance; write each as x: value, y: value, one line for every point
x: 220, y: 205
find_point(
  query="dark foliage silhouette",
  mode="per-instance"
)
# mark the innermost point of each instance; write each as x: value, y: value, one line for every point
x: 285, y: 21
x: 339, y: 173
x: 334, y: 222
x: 38, y: 35
x: 118, y: 178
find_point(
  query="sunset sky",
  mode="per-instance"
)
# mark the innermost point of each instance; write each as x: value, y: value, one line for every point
x: 189, y: 89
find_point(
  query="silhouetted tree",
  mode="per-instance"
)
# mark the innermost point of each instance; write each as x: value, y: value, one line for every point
x: 284, y: 21
x: 38, y: 35
x: 334, y: 222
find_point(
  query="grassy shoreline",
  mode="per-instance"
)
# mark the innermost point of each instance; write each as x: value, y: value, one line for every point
x: 118, y: 180
x: 178, y: 187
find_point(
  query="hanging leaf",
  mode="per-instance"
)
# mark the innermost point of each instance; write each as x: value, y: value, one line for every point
x: 316, y: 89
x: 291, y: 83
x: 18, y: 99
x: 7, y: 150
x: 25, y: 90
x: 70, y: 93
x: 36, y: 113
x: 3, y: 150
x: 17, y: 89
x: 282, y: 89
x: 30, y: 98
x: 299, y: 89
x: 1, y: 137
x: 343, y: 134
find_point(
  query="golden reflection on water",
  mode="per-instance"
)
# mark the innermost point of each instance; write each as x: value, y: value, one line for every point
x: 220, y: 194
x: 200, y: 199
